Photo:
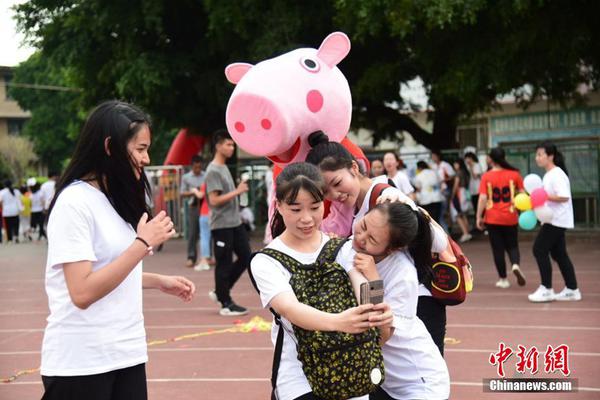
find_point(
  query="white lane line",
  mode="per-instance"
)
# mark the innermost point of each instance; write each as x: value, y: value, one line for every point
x: 146, y: 310
x: 496, y: 326
x: 545, y: 307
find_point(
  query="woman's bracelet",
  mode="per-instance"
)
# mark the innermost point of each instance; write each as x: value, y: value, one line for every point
x: 149, y: 248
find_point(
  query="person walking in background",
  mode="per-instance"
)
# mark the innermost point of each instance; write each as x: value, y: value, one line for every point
x: 99, y: 231
x: 496, y: 197
x: 475, y: 172
x: 10, y: 200
x: 47, y: 189
x: 392, y: 165
x: 190, y: 190
x: 229, y: 236
x: 377, y: 168
x: 25, y: 222
x: 459, y: 199
x: 429, y: 194
x: 37, y: 210
x: 205, y: 236
x: 551, y: 237
x: 446, y: 174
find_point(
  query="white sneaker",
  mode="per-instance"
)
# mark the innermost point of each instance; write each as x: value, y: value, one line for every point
x: 201, y: 267
x: 213, y: 296
x: 503, y: 283
x: 541, y: 295
x: 519, y: 274
x: 465, y: 238
x: 568, y: 295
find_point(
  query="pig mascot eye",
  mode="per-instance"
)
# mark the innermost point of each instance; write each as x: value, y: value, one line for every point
x: 310, y: 64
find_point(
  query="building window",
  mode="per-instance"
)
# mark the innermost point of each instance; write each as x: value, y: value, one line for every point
x: 15, y: 126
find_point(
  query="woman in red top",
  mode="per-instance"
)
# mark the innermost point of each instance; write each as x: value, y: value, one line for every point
x: 496, y: 196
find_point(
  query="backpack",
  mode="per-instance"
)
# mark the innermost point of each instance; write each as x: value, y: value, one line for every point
x: 337, y: 365
x: 451, y: 281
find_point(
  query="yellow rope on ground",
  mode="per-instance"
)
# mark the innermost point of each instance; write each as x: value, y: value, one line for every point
x: 256, y: 324
x: 449, y: 340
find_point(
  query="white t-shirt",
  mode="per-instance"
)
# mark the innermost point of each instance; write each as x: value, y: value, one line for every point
x: 475, y: 178
x: 402, y: 182
x: 272, y: 279
x: 109, y: 334
x: 428, y: 182
x: 37, y: 201
x: 11, y: 202
x: 438, y: 236
x: 444, y: 171
x: 556, y: 183
x: 47, y: 189
x: 414, y: 367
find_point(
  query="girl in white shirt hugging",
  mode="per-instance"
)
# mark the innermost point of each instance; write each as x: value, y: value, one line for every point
x: 295, y: 228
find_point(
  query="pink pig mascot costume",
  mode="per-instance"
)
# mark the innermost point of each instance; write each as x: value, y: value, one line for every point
x: 279, y: 102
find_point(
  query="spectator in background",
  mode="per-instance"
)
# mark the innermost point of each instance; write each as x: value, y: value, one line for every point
x: 37, y: 210
x: 446, y: 174
x: 459, y: 199
x: 429, y: 194
x: 190, y: 190
x: 205, y: 237
x: 392, y: 164
x: 228, y: 234
x: 377, y: 168
x: 25, y: 222
x: 10, y: 200
x: 475, y: 172
x: 47, y: 189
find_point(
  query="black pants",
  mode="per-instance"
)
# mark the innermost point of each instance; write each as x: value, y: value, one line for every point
x: 12, y: 228
x: 193, y: 234
x: 551, y: 242
x: 434, y: 210
x: 228, y: 241
x: 308, y: 396
x: 122, y: 384
x: 433, y: 315
x: 37, y: 220
x: 380, y: 394
x: 504, y: 238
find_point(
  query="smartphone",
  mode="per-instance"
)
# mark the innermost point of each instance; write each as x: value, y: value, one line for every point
x: 371, y: 292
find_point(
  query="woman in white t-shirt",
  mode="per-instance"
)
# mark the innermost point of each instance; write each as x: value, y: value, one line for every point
x: 392, y: 163
x: 37, y: 210
x: 99, y: 231
x: 398, y: 242
x: 551, y: 237
x: 10, y: 200
x: 429, y: 192
x: 295, y: 228
x: 347, y: 185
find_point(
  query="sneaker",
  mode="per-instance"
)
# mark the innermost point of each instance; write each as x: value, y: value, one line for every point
x: 212, y: 294
x: 465, y: 238
x: 541, y: 295
x: 503, y: 283
x: 568, y: 295
x: 519, y: 274
x: 189, y: 263
x: 201, y: 267
x: 233, y: 309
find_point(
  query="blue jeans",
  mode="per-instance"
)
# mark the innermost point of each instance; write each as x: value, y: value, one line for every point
x: 205, y: 237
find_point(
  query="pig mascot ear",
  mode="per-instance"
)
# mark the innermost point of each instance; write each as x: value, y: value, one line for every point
x: 334, y: 48
x: 234, y: 72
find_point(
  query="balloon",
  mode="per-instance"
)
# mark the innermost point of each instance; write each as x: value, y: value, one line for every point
x: 538, y: 197
x: 527, y: 220
x: 532, y: 182
x: 523, y: 202
x: 544, y: 214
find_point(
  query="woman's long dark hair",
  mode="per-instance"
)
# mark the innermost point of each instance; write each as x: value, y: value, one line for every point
x: 499, y: 157
x: 410, y: 229
x: 119, y: 122
x: 463, y: 167
x: 551, y: 150
x: 289, y: 182
x: 8, y: 185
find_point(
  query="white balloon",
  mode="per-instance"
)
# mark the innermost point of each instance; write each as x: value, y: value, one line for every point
x: 544, y: 214
x: 532, y: 182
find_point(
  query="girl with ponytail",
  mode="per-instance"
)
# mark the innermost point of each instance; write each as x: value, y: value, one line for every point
x: 392, y: 242
x: 551, y: 237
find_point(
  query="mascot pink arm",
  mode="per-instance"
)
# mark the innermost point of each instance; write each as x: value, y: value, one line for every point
x: 279, y: 102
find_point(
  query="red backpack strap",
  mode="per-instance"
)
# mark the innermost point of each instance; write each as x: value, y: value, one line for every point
x: 376, y: 192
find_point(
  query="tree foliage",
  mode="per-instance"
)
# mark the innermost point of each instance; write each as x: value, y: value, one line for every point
x: 169, y: 57
x: 17, y: 154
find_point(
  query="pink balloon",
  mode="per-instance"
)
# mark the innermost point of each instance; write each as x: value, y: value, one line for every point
x: 538, y: 197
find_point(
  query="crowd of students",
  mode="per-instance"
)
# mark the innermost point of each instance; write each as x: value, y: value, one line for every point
x: 100, y: 229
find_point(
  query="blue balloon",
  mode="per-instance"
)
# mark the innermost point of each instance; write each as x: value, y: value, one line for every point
x: 527, y: 220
